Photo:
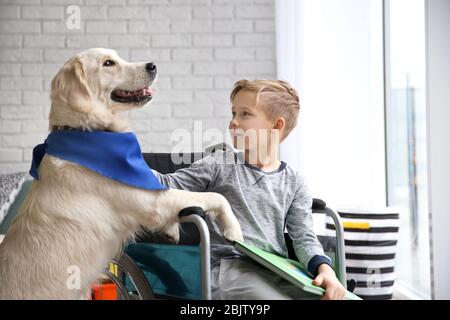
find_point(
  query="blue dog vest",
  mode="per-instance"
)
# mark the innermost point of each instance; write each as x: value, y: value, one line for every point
x: 114, y: 155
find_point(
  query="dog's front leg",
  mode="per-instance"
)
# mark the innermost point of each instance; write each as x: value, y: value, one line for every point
x: 213, y: 203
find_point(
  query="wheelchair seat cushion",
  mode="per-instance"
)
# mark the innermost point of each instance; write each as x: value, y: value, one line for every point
x: 172, y: 271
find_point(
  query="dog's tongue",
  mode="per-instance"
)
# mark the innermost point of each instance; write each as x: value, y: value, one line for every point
x: 141, y: 92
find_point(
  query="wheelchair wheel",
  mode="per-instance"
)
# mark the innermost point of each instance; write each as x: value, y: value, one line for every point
x: 128, y: 268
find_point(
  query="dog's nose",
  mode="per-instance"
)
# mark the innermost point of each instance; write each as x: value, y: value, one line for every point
x: 150, y: 67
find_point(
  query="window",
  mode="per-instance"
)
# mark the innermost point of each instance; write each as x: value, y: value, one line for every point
x: 406, y: 139
x: 361, y: 137
x: 332, y: 52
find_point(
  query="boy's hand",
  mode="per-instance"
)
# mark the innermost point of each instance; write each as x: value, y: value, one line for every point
x: 326, y: 279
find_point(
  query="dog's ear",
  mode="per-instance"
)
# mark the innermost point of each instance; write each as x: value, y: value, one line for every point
x: 70, y: 86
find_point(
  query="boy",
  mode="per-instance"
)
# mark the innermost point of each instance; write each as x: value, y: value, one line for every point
x: 266, y: 196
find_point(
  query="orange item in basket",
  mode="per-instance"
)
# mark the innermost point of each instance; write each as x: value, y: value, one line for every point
x: 104, y: 291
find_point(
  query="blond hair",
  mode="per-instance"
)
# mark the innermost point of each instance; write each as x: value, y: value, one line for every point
x: 278, y: 97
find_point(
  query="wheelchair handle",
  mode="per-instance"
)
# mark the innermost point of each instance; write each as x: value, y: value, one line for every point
x: 340, y: 242
x: 196, y: 216
x: 192, y: 210
x: 318, y: 204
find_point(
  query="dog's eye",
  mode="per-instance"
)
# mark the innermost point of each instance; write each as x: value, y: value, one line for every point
x: 108, y: 63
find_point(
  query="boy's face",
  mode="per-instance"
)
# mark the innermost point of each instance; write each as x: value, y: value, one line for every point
x: 250, y: 127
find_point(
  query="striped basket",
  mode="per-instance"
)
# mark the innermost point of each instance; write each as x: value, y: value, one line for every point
x: 370, y: 248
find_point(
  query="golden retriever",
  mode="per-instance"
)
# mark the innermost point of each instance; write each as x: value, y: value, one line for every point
x: 75, y: 220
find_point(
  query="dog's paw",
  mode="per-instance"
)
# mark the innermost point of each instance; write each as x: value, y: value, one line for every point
x: 231, y: 228
x: 172, y: 231
x: 233, y: 232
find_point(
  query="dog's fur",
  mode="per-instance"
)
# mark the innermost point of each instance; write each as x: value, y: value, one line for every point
x: 75, y: 220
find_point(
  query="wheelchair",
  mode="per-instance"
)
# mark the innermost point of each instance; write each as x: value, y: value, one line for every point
x: 155, y: 268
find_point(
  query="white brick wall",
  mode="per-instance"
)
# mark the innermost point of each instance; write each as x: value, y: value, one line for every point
x: 201, y: 48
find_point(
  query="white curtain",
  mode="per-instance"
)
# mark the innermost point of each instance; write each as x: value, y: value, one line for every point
x: 332, y: 52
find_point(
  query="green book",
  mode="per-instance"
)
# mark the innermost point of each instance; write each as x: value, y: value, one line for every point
x: 291, y: 270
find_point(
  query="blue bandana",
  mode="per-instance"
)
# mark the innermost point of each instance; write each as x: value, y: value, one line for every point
x: 113, y: 155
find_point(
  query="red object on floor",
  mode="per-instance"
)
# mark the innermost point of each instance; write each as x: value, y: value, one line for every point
x: 104, y: 291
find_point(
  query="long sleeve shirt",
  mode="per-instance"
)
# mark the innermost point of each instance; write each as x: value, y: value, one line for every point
x: 265, y: 204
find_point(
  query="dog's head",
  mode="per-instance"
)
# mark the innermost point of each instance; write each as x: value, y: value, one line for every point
x: 92, y: 87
